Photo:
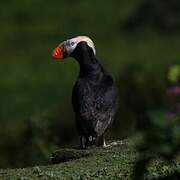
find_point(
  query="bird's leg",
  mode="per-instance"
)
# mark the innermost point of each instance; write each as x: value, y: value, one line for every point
x: 82, y: 142
x: 104, y: 143
x: 101, y: 141
x: 91, y: 141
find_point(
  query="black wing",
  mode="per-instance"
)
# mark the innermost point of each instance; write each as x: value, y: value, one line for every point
x: 95, y: 104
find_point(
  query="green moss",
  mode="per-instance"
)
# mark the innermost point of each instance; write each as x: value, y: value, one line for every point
x: 114, y: 162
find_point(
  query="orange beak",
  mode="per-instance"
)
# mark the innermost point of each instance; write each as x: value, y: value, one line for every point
x: 59, y: 53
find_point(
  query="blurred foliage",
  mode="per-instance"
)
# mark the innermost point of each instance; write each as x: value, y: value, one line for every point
x: 138, y: 91
x: 160, y: 136
x: 160, y: 140
x: 174, y: 74
x: 161, y: 15
x: 35, y: 111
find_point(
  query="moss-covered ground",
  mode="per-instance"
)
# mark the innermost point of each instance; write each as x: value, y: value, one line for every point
x: 114, y: 162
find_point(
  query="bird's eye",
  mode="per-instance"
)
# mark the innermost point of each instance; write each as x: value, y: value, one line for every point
x: 72, y: 43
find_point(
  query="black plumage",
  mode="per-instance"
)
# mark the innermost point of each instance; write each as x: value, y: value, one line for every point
x: 94, y: 98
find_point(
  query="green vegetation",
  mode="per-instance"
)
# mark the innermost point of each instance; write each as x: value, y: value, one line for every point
x: 115, y: 162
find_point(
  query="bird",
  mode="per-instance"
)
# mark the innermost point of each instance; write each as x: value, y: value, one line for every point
x: 94, y: 95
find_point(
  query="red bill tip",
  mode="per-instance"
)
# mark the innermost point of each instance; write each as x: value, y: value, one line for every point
x: 58, y: 53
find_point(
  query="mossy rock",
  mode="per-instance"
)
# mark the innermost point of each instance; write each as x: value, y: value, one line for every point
x: 64, y: 155
x: 110, y: 163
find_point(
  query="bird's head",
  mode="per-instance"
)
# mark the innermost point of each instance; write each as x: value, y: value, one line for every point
x: 66, y: 48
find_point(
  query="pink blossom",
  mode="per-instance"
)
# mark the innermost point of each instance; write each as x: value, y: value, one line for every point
x: 178, y: 107
x: 173, y: 91
x: 169, y: 115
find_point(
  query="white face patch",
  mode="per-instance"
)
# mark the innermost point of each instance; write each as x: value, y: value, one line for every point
x: 71, y: 44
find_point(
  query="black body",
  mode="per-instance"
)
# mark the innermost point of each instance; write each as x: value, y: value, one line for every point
x: 94, y: 98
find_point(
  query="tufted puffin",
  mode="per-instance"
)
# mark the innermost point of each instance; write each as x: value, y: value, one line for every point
x: 94, y: 96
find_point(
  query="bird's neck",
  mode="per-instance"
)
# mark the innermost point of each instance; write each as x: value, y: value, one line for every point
x: 88, y: 63
x: 89, y: 66
x: 90, y: 70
